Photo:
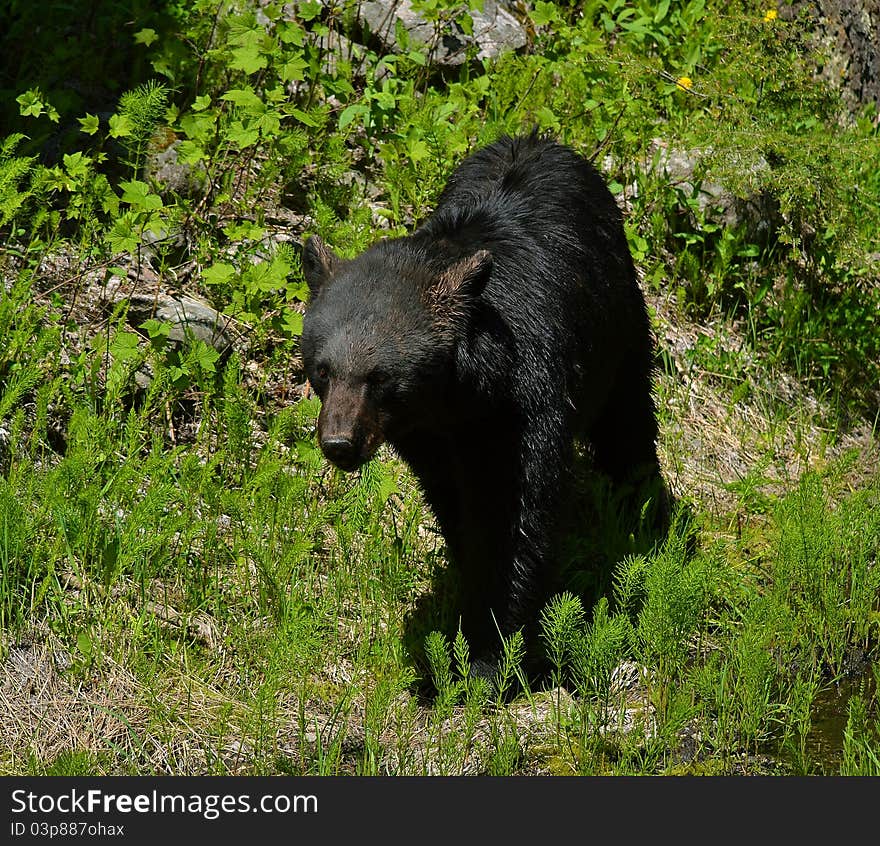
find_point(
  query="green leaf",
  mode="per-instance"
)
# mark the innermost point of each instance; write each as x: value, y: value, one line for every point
x: 158, y: 330
x: 417, y: 150
x: 124, y: 346
x: 243, y: 136
x: 84, y: 644
x: 30, y: 104
x: 204, y: 356
x: 269, y: 124
x: 349, y: 113
x: 293, y: 69
x: 661, y: 12
x: 385, y: 100
x: 121, y: 126
x: 305, y: 118
x: 401, y: 35
x: 544, y: 13
x: 309, y: 10
x: 124, y: 237
x: 89, y: 124
x: 245, y: 98
x: 244, y: 230
x: 199, y: 126
x: 546, y: 118
x: 76, y: 164
x: 139, y: 195
x: 267, y: 276
x: 297, y: 289
x: 189, y: 152
x: 145, y: 36
x: 291, y: 33
x: 217, y: 273
x: 293, y: 322
x: 387, y: 486
x: 201, y: 103
x: 248, y: 59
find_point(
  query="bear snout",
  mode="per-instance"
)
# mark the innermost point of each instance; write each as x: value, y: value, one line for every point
x: 341, y: 451
x: 349, y: 453
x: 348, y: 431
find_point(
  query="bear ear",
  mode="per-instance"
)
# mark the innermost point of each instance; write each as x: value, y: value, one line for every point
x: 319, y: 263
x: 456, y: 287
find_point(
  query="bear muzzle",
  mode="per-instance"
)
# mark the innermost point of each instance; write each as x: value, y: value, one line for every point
x: 342, y: 452
x: 348, y: 431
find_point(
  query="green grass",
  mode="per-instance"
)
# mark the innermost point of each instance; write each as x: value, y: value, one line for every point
x: 234, y: 605
x: 187, y: 587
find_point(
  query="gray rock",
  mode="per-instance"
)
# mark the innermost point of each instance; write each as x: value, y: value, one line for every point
x: 337, y: 47
x: 847, y: 32
x: 683, y: 169
x: 172, y: 176
x: 187, y: 316
x: 495, y: 30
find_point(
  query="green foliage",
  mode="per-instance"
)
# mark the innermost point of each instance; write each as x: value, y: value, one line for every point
x: 191, y: 531
x: 561, y: 620
x: 260, y: 118
x: 672, y: 596
x: 33, y: 104
x: 140, y: 111
x: 824, y: 570
x: 13, y: 170
x: 860, y: 740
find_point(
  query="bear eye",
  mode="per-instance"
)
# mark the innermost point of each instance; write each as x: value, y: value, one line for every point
x: 378, y: 377
x: 323, y: 373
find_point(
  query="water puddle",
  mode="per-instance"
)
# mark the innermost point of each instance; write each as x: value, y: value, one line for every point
x: 824, y: 743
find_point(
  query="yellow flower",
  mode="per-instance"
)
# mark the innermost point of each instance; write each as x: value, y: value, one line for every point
x: 770, y: 15
x: 684, y: 82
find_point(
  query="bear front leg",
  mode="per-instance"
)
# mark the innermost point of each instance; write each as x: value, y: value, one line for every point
x: 496, y: 495
x: 510, y: 512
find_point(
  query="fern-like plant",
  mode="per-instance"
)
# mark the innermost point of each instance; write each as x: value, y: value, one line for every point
x: 140, y: 111
x: 13, y: 170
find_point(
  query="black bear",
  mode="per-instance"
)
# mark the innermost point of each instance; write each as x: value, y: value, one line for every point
x: 509, y: 325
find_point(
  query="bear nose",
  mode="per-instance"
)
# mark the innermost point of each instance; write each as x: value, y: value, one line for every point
x: 340, y: 450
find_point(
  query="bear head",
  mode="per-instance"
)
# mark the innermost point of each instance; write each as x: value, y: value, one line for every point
x: 379, y: 339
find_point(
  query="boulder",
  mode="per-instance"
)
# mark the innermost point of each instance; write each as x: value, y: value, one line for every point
x: 847, y: 32
x: 718, y: 202
x: 495, y: 30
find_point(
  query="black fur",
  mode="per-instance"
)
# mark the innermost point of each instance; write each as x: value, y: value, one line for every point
x: 481, y: 347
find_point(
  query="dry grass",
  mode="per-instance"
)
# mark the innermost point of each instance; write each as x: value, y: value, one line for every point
x: 709, y: 444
